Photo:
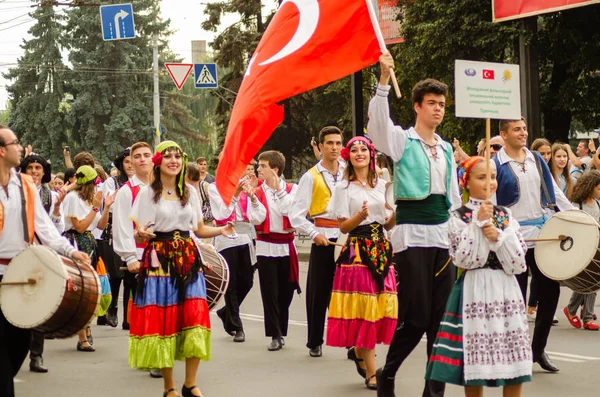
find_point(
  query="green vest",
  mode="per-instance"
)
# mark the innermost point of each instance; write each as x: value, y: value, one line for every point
x: 412, y: 176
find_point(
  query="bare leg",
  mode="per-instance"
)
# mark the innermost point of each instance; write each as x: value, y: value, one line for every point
x: 82, y: 335
x: 512, y: 391
x: 168, y: 381
x: 359, y: 355
x: 191, y: 368
x: 473, y: 391
x: 368, y: 356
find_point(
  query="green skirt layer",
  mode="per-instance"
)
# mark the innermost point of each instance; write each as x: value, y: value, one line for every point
x: 153, y: 352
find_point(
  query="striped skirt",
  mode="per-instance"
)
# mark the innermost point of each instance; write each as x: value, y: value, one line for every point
x: 169, y: 324
x: 360, y: 315
x: 446, y: 363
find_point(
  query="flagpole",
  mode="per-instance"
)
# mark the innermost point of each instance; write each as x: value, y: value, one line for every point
x: 382, y: 45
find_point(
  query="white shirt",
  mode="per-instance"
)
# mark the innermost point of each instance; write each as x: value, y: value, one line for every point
x: 348, y: 199
x: 391, y: 140
x: 279, y: 204
x: 11, y: 239
x: 256, y: 213
x: 123, y: 228
x: 529, y: 206
x: 58, y: 221
x: 303, y: 199
x: 75, y: 207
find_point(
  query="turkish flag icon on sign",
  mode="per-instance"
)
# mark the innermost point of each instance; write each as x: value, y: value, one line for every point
x: 308, y: 43
x: 488, y: 74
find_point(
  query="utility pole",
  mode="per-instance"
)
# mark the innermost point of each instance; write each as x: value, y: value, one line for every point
x: 156, y: 95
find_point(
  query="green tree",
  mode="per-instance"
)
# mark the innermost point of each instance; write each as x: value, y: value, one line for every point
x: 37, y: 90
x: 111, y: 81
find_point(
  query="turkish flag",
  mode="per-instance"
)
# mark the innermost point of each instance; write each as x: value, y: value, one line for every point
x: 488, y: 74
x: 307, y: 44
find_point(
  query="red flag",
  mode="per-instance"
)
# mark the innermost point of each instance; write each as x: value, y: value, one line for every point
x: 488, y: 74
x: 307, y: 44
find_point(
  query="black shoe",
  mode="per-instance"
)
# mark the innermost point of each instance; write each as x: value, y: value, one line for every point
x: 125, y: 326
x: 371, y: 386
x: 351, y: 353
x: 82, y: 348
x: 275, y: 345
x: 545, y: 363
x: 101, y: 320
x: 156, y: 373
x: 282, y: 342
x: 37, y: 365
x: 165, y: 394
x: 316, y: 351
x: 361, y: 371
x: 385, y: 385
x: 221, y: 315
x: 240, y: 336
x: 187, y: 391
x: 111, y: 318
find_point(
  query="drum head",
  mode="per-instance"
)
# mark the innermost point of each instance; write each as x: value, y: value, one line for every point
x: 390, y: 203
x: 28, y: 306
x: 561, y: 260
x: 341, y: 241
x: 217, y: 279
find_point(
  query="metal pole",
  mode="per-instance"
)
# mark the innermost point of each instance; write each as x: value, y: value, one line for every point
x: 156, y: 95
x: 530, y: 83
x: 358, y: 119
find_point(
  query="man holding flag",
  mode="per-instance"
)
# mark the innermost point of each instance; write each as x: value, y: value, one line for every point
x: 425, y: 189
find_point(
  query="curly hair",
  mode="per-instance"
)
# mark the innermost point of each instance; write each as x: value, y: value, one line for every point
x: 584, y: 188
x: 157, y: 185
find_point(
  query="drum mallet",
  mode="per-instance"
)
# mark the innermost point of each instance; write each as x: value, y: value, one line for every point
x: 30, y: 281
x: 561, y: 237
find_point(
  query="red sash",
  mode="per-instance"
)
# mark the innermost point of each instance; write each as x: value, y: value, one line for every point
x: 285, y: 238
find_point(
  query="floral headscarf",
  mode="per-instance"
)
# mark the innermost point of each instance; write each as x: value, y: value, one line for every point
x: 345, y: 152
x: 158, y: 157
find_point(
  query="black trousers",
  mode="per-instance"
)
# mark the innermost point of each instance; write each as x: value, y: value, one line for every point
x: 425, y: 280
x: 548, y: 292
x: 113, y: 262
x: 319, y: 282
x: 277, y: 293
x: 129, y: 290
x: 14, y: 345
x: 241, y: 279
x: 36, y: 347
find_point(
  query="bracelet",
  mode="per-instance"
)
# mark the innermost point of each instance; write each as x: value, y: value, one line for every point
x: 95, y: 209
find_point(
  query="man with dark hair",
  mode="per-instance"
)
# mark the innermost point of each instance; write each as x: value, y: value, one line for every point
x: 204, y: 175
x: 278, y: 271
x: 526, y: 186
x: 425, y: 189
x: 314, y: 192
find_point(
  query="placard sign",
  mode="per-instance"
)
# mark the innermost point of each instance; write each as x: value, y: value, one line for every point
x: 487, y: 90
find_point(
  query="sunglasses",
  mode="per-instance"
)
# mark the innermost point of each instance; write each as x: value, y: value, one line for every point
x: 496, y: 147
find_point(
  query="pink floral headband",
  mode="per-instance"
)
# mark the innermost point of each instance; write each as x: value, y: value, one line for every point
x: 345, y: 152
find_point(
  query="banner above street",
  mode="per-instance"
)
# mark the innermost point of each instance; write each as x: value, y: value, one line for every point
x: 504, y: 10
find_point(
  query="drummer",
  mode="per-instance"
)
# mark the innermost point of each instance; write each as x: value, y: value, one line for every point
x: 526, y: 186
x: 22, y: 222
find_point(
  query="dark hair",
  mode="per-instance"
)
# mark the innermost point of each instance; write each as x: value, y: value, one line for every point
x: 503, y: 124
x: 86, y: 192
x: 101, y: 172
x: 83, y: 158
x: 199, y: 159
x: 350, y: 174
x: 538, y: 143
x: 329, y: 130
x: 428, y: 86
x: 157, y: 185
x: 192, y: 172
x: 585, y: 186
x: 382, y: 160
x: 69, y: 173
x: 275, y: 160
x: 585, y: 143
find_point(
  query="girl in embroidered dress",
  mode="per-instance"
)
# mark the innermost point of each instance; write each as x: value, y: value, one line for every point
x: 170, y: 317
x: 483, y: 338
x: 363, y: 310
x: 585, y: 195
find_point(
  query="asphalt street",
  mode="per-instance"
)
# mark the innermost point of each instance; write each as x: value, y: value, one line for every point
x: 249, y: 370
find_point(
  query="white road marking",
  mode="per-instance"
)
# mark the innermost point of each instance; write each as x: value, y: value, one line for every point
x: 572, y: 356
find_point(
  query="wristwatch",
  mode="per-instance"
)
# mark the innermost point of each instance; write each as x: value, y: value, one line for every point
x: 593, y: 152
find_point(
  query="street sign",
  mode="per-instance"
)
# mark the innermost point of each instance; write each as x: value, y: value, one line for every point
x: 487, y: 90
x: 117, y: 22
x: 205, y: 75
x: 179, y: 72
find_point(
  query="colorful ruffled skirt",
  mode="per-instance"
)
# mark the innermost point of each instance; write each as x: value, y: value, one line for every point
x: 169, y: 317
x: 363, y: 311
x: 85, y: 242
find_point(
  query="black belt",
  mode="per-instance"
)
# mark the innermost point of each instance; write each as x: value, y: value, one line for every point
x: 168, y: 236
x: 369, y: 231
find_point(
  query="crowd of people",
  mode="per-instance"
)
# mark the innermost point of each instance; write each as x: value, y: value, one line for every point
x: 406, y: 269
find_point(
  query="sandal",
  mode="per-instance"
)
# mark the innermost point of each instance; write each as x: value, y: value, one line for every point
x: 171, y: 390
x: 573, y: 319
x: 371, y: 386
x: 82, y: 348
x: 187, y: 391
x: 88, y: 335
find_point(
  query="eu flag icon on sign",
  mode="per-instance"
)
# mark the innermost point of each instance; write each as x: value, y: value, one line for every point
x: 117, y: 22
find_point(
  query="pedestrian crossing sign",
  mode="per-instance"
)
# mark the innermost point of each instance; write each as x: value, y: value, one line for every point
x: 205, y: 75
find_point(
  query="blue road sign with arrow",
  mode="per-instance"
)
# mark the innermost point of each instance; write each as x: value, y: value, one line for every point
x: 117, y: 22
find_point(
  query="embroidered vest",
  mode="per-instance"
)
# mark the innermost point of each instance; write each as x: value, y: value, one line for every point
x: 412, y: 174
x: 134, y: 192
x: 265, y: 227
x: 320, y: 193
x: 46, y: 197
x: 509, y: 191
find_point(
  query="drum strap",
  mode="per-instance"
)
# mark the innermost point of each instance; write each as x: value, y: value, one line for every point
x: 24, y: 212
x: 544, y: 187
